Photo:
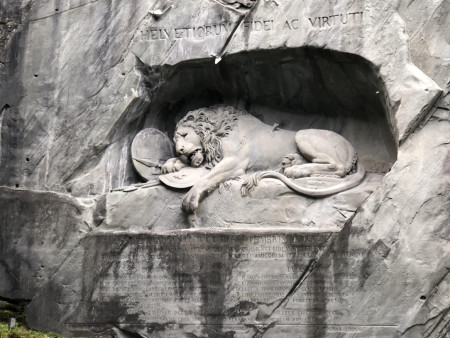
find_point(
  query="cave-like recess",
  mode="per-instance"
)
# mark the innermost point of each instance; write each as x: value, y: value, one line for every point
x: 294, y: 88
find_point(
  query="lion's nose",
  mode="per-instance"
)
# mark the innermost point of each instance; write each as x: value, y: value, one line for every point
x: 180, y: 150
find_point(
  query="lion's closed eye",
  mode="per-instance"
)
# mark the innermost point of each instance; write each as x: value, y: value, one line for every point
x: 180, y: 135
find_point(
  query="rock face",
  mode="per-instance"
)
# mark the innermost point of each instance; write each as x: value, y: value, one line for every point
x: 38, y: 231
x: 101, y: 253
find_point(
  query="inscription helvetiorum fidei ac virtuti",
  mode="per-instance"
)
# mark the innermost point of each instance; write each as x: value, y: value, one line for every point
x: 226, y: 168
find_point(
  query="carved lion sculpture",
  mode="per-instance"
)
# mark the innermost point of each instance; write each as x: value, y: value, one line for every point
x: 231, y: 142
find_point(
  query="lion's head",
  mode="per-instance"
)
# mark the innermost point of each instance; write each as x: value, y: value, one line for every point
x: 210, y: 125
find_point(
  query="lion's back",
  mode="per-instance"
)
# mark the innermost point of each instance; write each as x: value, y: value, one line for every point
x: 265, y: 145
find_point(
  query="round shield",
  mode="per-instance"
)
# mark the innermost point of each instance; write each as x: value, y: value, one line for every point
x: 150, y: 149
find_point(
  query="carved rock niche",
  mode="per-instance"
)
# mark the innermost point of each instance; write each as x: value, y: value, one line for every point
x: 232, y: 267
x: 289, y: 89
x: 277, y: 263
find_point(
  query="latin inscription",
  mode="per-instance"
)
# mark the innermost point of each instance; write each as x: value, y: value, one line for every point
x: 161, y: 278
x: 187, y: 32
x: 262, y: 25
x: 336, y: 19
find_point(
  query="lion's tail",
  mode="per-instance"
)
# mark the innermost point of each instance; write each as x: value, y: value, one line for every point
x: 346, y: 183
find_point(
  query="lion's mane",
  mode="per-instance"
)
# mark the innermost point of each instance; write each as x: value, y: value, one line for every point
x: 211, y: 124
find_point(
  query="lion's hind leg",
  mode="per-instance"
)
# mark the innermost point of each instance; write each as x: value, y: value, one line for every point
x: 333, y: 166
x: 329, y: 153
x: 296, y: 166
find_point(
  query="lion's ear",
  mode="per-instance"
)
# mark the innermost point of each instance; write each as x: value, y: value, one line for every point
x: 190, y: 117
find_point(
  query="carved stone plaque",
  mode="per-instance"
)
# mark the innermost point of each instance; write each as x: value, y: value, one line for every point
x: 210, y: 284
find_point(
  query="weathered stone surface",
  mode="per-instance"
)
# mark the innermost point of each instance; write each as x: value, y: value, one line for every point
x: 53, y: 90
x: 207, y: 282
x: 410, y: 223
x: 38, y: 231
x: 79, y: 79
x: 427, y: 25
x: 146, y: 208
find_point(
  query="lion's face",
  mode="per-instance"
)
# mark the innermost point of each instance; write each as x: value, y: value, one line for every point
x: 188, y: 146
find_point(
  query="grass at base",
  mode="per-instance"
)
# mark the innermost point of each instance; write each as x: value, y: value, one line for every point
x: 21, y: 332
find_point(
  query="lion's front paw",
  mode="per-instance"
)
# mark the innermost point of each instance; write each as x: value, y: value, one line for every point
x: 167, y: 168
x: 172, y: 165
x: 290, y: 160
x: 191, y: 200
